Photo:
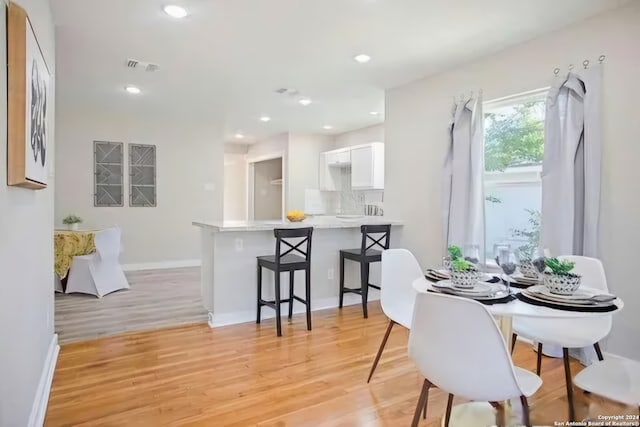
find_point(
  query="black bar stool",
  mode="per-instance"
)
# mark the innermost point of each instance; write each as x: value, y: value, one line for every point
x: 365, y: 255
x: 291, y: 262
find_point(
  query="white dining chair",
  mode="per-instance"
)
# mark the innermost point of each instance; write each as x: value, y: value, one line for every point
x: 573, y: 333
x: 398, y: 271
x: 615, y: 379
x: 457, y: 346
x: 99, y: 273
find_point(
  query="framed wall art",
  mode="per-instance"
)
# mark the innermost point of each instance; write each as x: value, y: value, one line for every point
x: 29, y: 103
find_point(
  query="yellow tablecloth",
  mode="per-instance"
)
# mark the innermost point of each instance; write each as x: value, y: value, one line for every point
x: 68, y: 244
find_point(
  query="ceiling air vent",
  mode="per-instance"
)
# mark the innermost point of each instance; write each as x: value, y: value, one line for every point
x: 286, y: 91
x: 146, y: 66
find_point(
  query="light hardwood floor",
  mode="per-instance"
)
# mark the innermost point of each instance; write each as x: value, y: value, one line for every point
x: 157, y: 299
x: 243, y: 375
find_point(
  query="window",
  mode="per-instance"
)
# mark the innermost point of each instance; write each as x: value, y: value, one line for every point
x: 514, y: 143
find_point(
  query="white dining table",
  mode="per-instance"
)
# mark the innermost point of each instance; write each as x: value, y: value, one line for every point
x: 482, y: 414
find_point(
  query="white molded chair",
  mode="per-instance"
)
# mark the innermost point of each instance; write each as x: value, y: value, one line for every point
x: 615, y: 379
x: 398, y: 271
x: 457, y: 346
x: 99, y: 273
x: 570, y: 333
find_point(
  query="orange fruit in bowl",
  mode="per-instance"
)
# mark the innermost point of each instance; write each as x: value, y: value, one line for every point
x: 296, y: 216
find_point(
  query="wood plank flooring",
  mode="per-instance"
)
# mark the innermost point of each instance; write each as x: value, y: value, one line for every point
x: 156, y: 299
x: 243, y: 375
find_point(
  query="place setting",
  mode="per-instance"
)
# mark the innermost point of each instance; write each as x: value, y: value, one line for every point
x: 561, y: 289
x: 460, y: 276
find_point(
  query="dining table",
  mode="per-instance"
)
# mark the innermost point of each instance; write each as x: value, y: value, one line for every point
x: 67, y: 244
x: 482, y: 414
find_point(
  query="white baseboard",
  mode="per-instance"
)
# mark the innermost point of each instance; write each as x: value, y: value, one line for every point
x: 39, y: 408
x: 162, y: 265
x: 216, y: 320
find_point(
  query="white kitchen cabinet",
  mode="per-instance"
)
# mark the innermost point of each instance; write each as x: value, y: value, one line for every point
x: 367, y: 167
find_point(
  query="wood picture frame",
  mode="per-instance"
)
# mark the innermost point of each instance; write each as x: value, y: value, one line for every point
x: 29, y: 84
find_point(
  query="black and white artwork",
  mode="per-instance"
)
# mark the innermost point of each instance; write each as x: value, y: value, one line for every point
x: 37, y: 105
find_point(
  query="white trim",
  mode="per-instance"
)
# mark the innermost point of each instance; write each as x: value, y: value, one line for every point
x: 516, y: 98
x: 608, y: 355
x: 250, y: 315
x: 162, y: 265
x: 39, y: 407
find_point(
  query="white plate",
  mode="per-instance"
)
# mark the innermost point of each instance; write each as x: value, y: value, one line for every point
x: 519, y: 277
x: 565, y: 303
x: 479, y: 289
x: 579, y: 294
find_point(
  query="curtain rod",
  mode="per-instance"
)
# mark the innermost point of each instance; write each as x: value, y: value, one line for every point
x: 585, y: 65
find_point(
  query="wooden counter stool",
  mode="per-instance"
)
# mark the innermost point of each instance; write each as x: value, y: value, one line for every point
x: 287, y: 260
x: 365, y: 255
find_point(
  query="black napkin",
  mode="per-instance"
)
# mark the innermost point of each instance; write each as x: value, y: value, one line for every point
x: 503, y: 300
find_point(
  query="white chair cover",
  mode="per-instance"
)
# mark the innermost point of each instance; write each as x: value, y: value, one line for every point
x: 99, y: 273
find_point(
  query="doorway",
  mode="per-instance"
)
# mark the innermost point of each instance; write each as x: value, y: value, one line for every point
x: 266, y: 192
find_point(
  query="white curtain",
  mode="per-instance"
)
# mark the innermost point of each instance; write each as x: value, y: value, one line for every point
x: 571, y: 172
x: 571, y: 165
x: 463, y: 177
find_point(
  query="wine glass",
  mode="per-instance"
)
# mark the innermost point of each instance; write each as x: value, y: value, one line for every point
x: 506, y: 261
x: 471, y: 253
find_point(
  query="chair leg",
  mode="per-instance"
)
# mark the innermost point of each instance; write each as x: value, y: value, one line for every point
x: 277, y: 304
x: 364, y: 286
x: 539, y: 360
x: 525, y: 411
x: 569, y: 382
x: 291, y: 278
x: 341, y: 280
x: 447, y: 415
x: 596, y: 346
x: 259, y: 294
x: 500, y: 418
x: 382, y: 344
x: 513, y: 341
x: 307, y: 297
x: 422, y: 402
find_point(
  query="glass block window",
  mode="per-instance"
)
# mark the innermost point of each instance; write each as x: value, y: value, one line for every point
x: 142, y: 175
x: 108, y: 158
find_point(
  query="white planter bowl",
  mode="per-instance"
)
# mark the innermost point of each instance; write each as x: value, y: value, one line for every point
x: 528, y: 270
x: 562, y: 285
x: 465, y: 279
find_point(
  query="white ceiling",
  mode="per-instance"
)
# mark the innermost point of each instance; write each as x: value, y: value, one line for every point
x: 223, y: 62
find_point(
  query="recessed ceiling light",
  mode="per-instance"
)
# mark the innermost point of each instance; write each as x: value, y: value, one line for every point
x: 327, y: 127
x: 304, y: 101
x: 132, y: 89
x: 362, y: 58
x: 175, y: 11
x: 239, y: 136
x: 373, y: 113
x: 265, y: 119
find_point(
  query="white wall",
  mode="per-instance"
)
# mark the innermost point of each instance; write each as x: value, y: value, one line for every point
x: 26, y: 254
x: 360, y: 136
x: 417, y: 117
x: 235, y: 182
x: 189, y: 177
x: 304, y: 160
x: 275, y: 145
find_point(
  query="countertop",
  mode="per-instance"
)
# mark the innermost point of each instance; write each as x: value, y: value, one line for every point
x: 316, y: 222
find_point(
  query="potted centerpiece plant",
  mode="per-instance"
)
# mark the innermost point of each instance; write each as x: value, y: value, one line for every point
x: 464, y: 274
x: 72, y: 221
x: 560, y: 280
x: 453, y: 253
